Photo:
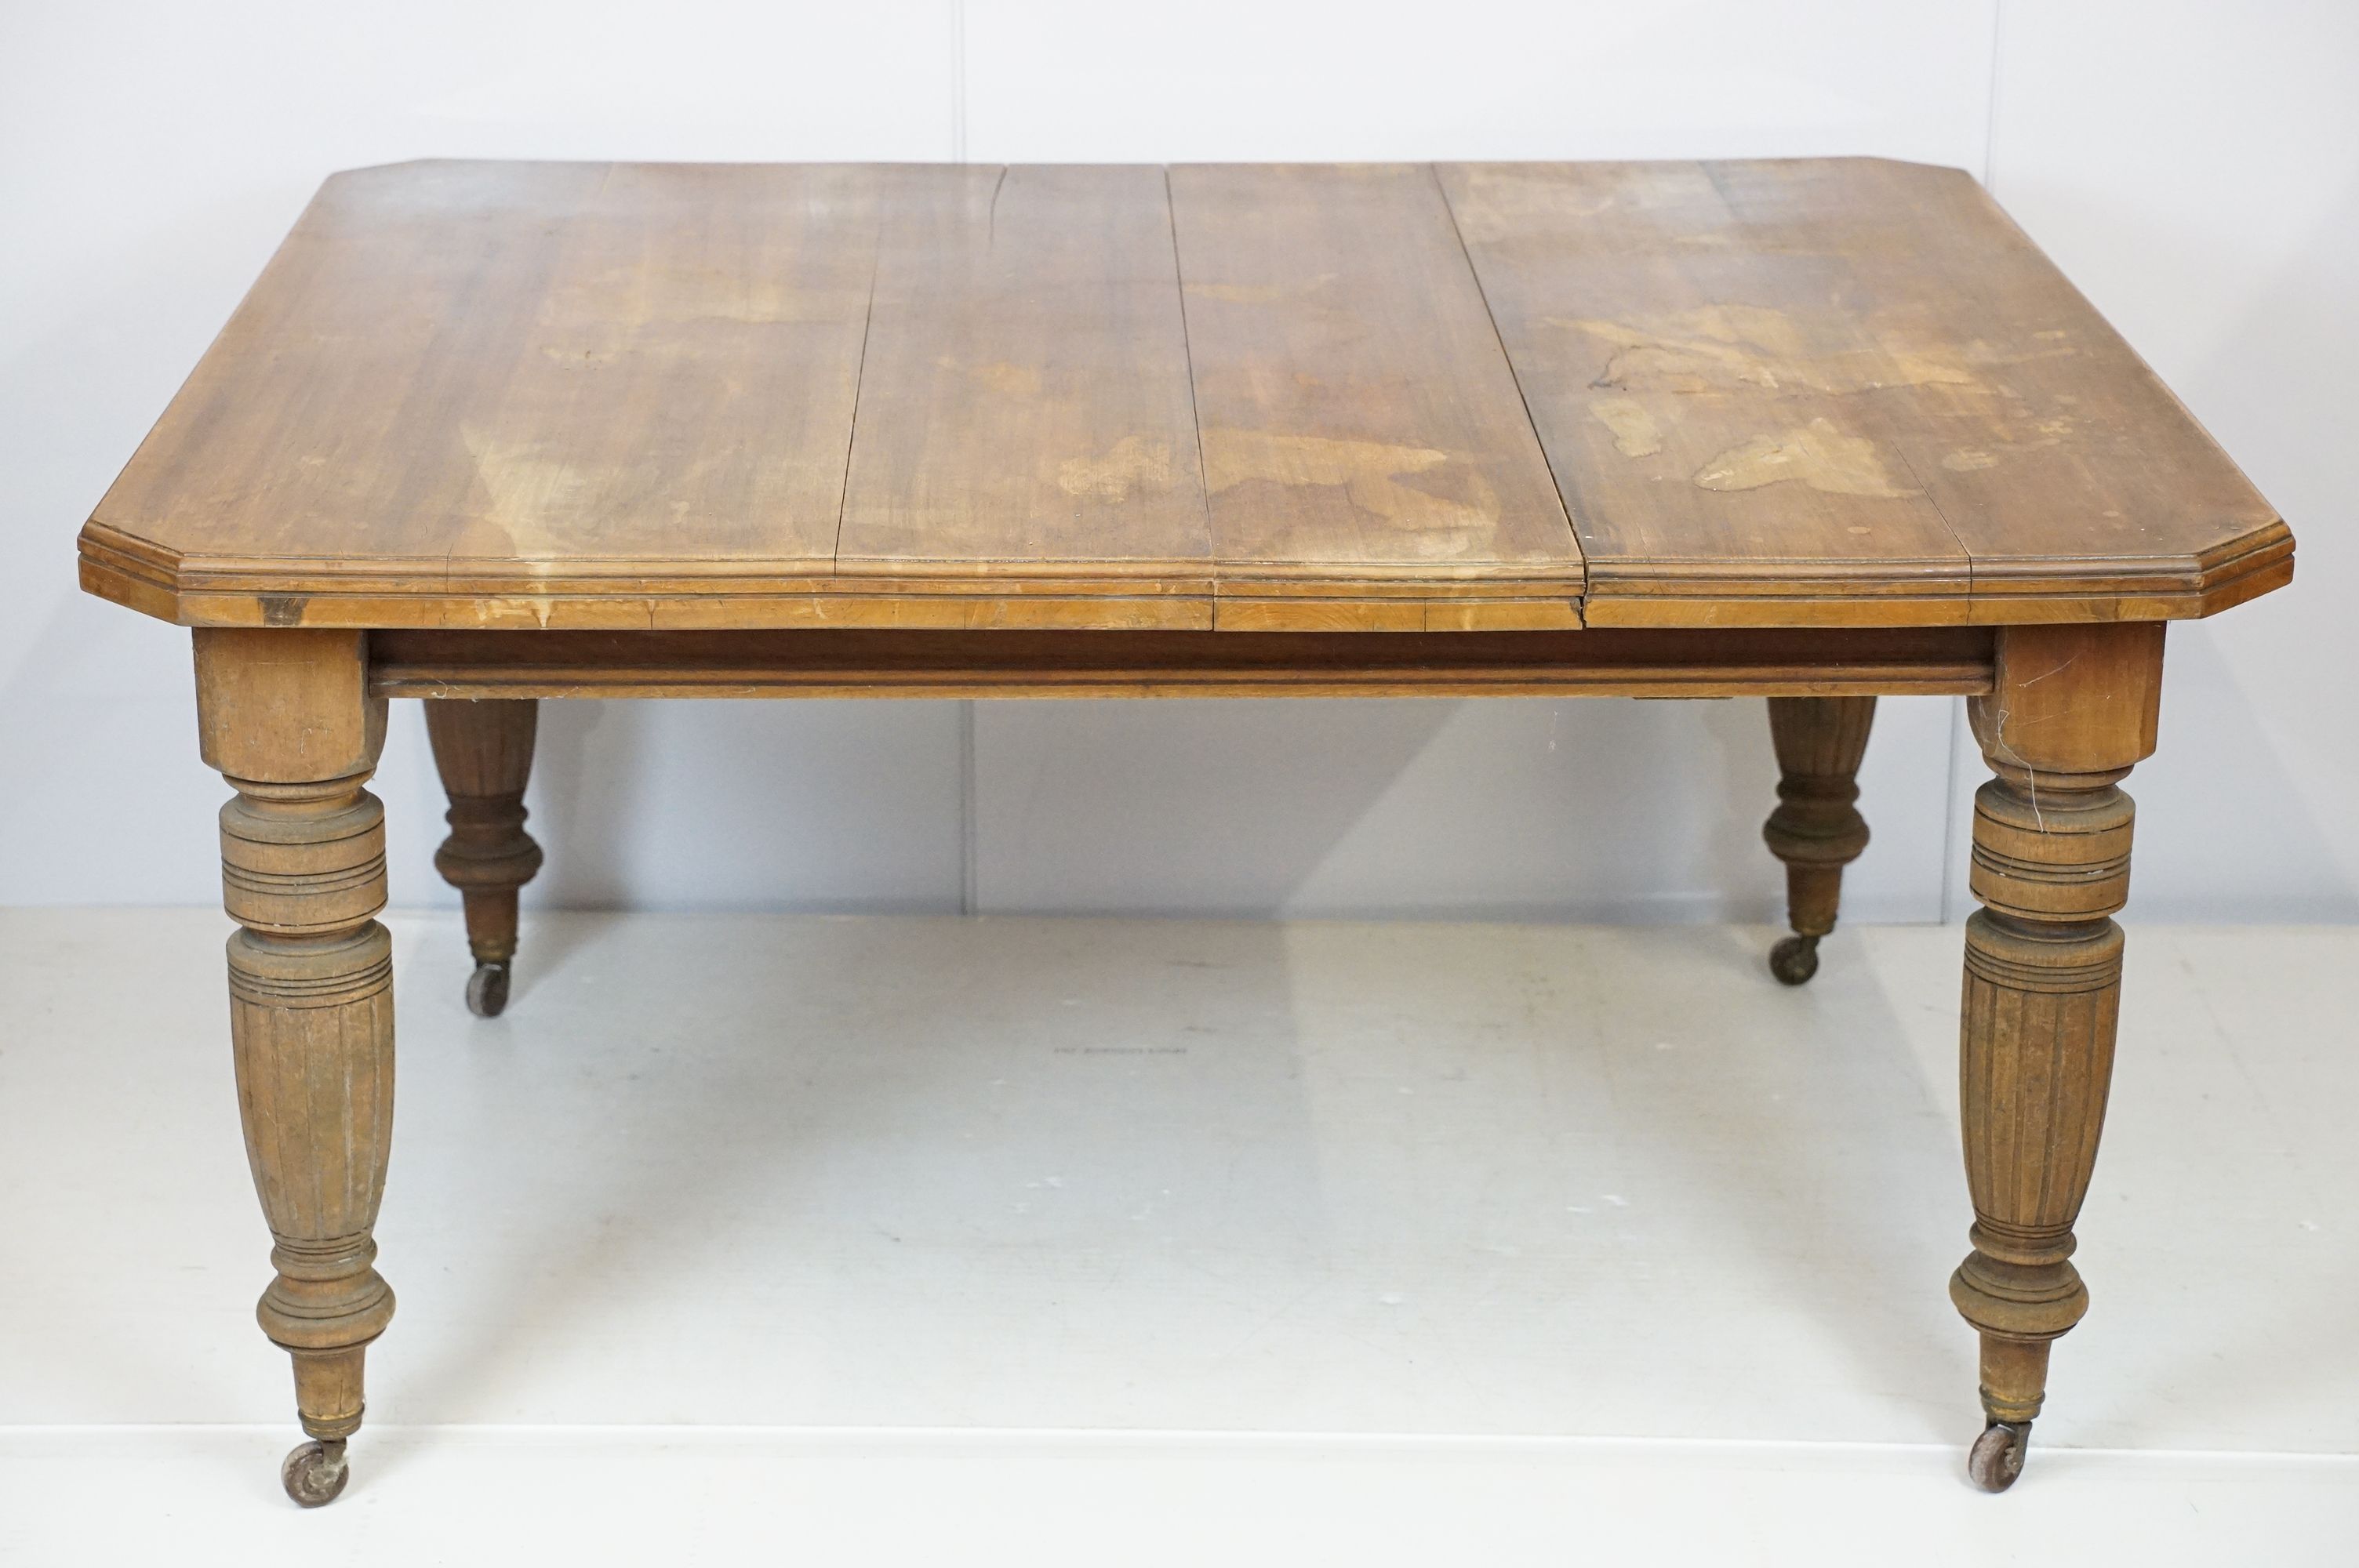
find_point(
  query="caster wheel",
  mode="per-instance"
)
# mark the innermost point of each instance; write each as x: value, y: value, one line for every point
x: 315, y: 1474
x: 1795, y: 959
x: 487, y: 990
x: 1996, y: 1457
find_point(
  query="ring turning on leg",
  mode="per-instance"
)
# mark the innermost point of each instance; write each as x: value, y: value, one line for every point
x: 483, y: 751
x: 1817, y: 829
x: 2072, y: 709
x: 283, y: 714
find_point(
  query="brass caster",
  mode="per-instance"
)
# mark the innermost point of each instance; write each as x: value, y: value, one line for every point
x: 1795, y: 959
x: 315, y: 1473
x: 1996, y: 1457
x: 487, y: 989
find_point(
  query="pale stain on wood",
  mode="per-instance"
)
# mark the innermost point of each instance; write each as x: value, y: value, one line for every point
x: 1024, y: 408
x: 530, y: 497
x: 1816, y: 454
x: 1741, y: 348
x: 1358, y: 422
x: 1635, y: 434
x: 1132, y: 464
x: 1370, y: 475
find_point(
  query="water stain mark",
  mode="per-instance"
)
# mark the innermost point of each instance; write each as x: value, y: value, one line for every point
x: 1816, y: 454
x: 1749, y: 348
x: 1131, y: 464
x: 1634, y: 432
x: 1370, y: 475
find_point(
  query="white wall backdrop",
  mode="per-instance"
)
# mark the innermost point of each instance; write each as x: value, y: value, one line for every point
x: 2195, y: 166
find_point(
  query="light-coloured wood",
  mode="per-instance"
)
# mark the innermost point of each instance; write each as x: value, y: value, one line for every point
x: 637, y: 396
x: 1359, y: 422
x: 475, y: 385
x: 1817, y: 829
x: 2071, y: 711
x: 1699, y: 401
x: 2080, y: 487
x: 438, y: 665
x: 1814, y: 430
x: 285, y: 716
x: 483, y: 751
x: 248, y: 682
x: 1843, y: 389
x: 1024, y: 401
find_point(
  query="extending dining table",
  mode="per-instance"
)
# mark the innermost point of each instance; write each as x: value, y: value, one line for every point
x: 1813, y: 430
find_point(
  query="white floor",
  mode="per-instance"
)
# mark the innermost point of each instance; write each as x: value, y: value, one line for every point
x: 1134, y: 1241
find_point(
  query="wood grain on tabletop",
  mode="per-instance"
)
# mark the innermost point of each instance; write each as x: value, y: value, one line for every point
x: 1024, y: 412
x: 2079, y: 485
x: 1362, y: 430
x: 460, y: 380
x: 1296, y: 398
x: 1846, y: 388
x: 1701, y: 420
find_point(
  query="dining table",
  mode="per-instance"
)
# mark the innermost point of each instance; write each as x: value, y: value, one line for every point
x: 1815, y: 430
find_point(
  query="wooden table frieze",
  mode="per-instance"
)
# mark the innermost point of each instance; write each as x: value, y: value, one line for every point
x: 1816, y: 432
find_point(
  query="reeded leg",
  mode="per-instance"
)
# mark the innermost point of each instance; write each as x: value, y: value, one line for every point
x: 483, y: 751
x: 1816, y: 829
x: 2073, y: 709
x: 284, y: 716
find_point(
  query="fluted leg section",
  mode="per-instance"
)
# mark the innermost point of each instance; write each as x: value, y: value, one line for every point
x: 310, y: 983
x: 483, y: 751
x: 2074, y: 708
x: 1817, y: 829
x: 2042, y: 996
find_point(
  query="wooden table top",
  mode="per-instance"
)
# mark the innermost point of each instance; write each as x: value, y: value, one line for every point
x: 1451, y: 397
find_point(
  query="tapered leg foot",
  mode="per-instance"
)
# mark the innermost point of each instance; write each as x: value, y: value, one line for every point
x: 1817, y: 829
x: 483, y: 751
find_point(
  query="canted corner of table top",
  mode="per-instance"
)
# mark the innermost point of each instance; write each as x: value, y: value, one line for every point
x: 1421, y: 399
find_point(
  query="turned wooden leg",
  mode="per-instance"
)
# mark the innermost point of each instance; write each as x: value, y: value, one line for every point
x: 284, y: 716
x: 2073, y: 708
x: 1816, y: 829
x: 483, y: 751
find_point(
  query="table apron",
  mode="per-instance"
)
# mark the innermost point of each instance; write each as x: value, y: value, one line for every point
x: 1681, y: 663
